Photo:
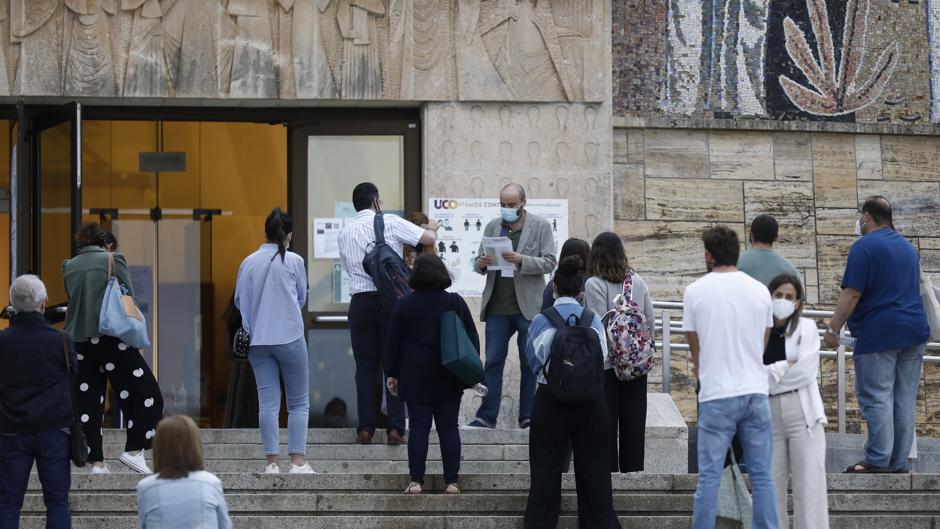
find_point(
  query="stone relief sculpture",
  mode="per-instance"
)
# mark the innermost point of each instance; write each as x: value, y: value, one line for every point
x: 36, y: 29
x: 418, y: 50
x: 5, y: 88
x: 89, y: 68
x: 312, y: 76
x: 422, y: 39
x: 933, y: 25
x: 521, y: 40
x: 253, y: 69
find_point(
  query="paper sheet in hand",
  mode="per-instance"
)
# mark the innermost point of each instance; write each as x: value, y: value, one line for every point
x: 494, y: 248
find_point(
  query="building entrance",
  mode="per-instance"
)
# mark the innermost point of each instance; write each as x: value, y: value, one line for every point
x: 186, y: 192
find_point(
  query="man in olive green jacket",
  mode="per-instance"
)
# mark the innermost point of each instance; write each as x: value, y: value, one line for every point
x: 510, y: 303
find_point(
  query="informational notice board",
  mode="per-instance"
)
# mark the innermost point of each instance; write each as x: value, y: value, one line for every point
x: 462, y: 223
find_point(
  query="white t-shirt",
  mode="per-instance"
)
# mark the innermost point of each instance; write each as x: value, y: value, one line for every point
x: 730, y: 312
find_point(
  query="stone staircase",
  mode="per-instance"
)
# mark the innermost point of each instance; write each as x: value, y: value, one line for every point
x: 361, y: 486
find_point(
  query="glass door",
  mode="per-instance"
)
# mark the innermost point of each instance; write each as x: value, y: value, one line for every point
x: 49, y: 185
x: 329, y: 160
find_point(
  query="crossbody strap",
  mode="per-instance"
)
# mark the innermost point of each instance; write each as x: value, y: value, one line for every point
x: 264, y: 281
x: 378, y: 226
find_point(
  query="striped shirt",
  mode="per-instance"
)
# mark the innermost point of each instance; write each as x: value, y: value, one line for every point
x: 356, y: 240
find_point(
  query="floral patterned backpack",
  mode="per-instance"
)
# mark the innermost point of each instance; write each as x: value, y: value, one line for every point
x: 630, y: 344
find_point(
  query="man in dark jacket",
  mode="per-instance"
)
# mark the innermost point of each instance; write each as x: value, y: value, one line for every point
x: 35, y: 407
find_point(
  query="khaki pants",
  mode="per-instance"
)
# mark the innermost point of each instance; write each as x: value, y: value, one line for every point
x: 799, y: 453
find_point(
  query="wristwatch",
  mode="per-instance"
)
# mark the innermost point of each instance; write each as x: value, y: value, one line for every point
x: 830, y: 331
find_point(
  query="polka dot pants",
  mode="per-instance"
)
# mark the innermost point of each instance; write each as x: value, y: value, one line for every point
x: 107, y: 359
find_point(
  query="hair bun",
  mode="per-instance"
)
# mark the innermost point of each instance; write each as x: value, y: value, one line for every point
x: 571, y: 265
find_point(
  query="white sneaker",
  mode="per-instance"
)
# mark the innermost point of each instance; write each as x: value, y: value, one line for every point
x: 136, y: 463
x: 95, y: 469
x: 272, y: 469
x: 301, y: 469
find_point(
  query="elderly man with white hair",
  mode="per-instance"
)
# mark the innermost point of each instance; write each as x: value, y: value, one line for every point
x: 35, y: 410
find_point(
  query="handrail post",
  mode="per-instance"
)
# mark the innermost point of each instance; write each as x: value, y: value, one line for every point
x: 840, y: 381
x: 667, y: 338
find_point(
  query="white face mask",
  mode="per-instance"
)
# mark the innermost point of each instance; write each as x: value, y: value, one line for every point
x: 783, y: 308
x: 858, y: 228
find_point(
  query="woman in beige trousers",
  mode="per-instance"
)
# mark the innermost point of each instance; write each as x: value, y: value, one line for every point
x: 796, y: 408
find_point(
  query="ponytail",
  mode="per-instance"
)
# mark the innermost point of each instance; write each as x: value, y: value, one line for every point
x: 276, y: 228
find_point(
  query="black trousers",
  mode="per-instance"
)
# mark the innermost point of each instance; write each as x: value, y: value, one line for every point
x: 368, y: 328
x: 626, y: 402
x: 585, y: 426
x: 133, y: 383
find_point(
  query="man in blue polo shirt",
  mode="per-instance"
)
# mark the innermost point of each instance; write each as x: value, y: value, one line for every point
x: 881, y: 300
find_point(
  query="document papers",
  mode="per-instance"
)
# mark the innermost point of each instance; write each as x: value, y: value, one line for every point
x: 493, y: 247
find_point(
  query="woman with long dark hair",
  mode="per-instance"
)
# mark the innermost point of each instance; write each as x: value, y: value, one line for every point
x: 572, y: 246
x: 106, y: 358
x: 270, y: 290
x: 796, y: 408
x: 626, y: 401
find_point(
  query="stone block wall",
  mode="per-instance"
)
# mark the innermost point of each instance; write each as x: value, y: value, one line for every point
x: 670, y: 184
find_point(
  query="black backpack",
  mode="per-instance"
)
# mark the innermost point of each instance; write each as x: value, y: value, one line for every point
x: 386, y: 268
x: 575, y: 366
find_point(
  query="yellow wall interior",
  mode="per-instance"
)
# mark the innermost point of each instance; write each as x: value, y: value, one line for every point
x: 239, y: 168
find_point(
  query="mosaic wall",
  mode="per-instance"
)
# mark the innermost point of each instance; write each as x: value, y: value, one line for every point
x: 669, y: 184
x: 862, y: 61
x: 412, y: 50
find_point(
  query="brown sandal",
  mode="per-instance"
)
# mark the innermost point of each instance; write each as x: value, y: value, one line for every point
x: 413, y: 488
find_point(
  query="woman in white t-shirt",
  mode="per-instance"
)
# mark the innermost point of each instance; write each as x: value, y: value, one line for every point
x: 792, y: 362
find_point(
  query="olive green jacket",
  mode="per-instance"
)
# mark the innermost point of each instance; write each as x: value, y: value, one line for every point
x: 86, y: 278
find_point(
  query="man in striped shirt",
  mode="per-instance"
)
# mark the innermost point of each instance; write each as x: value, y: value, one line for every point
x: 368, y: 323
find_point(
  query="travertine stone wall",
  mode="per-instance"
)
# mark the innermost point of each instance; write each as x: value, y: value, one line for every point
x: 553, y: 150
x: 669, y: 184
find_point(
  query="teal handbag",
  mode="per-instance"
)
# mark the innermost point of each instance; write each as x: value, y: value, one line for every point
x: 458, y: 355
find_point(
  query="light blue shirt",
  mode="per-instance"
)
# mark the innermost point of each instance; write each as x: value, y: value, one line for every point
x: 275, y: 319
x: 193, y: 502
x: 541, y: 334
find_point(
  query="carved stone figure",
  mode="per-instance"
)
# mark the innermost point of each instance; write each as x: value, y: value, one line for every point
x: 36, y: 26
x: 477, y: 78
x: 89, y: 68
x: 521, y: 39
x: 153, y: 50
x: 206, y: 48
x: 576, y: 22
x: 311, y: 72
x: 253, y: 68
x: 356, y: 37
x: 422, y: 39
x: 4, y: 57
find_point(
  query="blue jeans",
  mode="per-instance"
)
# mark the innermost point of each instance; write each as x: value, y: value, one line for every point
x: 718, y: 421
x: 50, y: 451
x: 499, y: 329
x: 271, y: 363
x: 886, y: 386
x: 445, y: 414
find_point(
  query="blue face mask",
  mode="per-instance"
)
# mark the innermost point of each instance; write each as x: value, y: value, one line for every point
x: 509, y: 215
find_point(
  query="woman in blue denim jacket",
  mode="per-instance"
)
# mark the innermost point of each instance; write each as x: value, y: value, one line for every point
x: 180, y: 493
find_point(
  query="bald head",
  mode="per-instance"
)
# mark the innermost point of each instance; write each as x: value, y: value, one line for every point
x: 879, y: 209
x: 512, y: 194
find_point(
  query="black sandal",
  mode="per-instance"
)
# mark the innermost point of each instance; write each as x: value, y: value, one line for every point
x: 865, y: 469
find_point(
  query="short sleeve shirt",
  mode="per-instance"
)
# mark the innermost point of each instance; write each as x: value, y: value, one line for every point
x: 730, y: 312
x: 883, y: 266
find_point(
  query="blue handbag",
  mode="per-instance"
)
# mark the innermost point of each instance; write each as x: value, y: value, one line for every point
x: 119, y: 316
x: 458, y: 354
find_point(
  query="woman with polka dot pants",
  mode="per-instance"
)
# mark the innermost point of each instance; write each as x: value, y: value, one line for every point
x: 104, y: 358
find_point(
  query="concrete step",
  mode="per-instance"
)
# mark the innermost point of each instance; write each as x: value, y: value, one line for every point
x: 468, y: 436
x: 457, y: 521
x: 889, y: 484
x: 217, y: 466
x: 352, y: 452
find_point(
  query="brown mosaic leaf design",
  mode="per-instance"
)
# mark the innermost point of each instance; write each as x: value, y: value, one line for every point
x: 836, y: 85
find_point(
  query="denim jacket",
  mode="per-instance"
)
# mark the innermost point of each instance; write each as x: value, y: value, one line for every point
x: 194, y: 502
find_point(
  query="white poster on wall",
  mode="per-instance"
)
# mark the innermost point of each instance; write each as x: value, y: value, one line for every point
x: 326, y: 237
x: 462, y: 222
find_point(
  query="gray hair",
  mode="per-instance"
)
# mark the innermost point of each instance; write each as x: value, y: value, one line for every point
x: 27, y: 294
x: 517, y: 188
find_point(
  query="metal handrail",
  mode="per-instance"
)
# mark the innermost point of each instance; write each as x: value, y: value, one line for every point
x: 668, y: 326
